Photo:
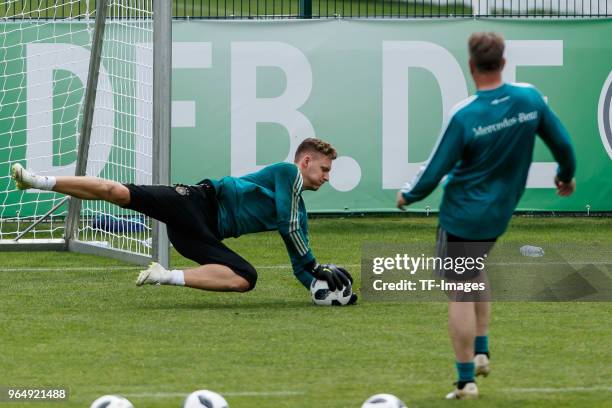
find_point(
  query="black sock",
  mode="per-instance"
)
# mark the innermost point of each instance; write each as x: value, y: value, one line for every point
x: 461, y: 384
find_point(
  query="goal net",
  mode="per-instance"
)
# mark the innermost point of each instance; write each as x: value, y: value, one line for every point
x: 46, y: 48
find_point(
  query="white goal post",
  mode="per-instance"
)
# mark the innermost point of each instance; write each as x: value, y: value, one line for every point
x: 85, y: 90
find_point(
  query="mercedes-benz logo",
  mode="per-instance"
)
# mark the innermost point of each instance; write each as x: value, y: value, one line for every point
x: 605, y: 115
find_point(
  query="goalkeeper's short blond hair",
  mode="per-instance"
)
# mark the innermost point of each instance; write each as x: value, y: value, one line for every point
x: 314, y: 145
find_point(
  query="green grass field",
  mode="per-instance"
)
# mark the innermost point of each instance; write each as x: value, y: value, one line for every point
x: 78, y: 321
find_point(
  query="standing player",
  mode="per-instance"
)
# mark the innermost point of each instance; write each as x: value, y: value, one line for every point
x: 486, y: 149
x: 199, y: 217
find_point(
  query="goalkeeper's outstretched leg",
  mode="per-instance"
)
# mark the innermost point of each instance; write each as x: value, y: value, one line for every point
x: 85, y: 188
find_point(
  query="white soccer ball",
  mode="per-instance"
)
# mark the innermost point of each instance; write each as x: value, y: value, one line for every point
x: 205, y: 399
x: 383, y: 401
x: 322, y: 296
x: 111, y: 401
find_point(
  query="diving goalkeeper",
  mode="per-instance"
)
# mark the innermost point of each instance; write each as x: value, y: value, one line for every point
x: 198, y: 217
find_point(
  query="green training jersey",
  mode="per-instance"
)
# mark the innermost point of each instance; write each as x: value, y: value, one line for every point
x: 486, y: 149
x: 267, y: 200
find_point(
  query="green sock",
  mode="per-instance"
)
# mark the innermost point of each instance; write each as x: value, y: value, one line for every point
x: 481, y: 345
x: 465, y: 371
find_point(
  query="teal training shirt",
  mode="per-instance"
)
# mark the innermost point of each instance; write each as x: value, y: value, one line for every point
x: 486, y: 149
x: 270, y: 199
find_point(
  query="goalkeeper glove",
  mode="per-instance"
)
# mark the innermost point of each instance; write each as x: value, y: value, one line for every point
x: 344, y: 271
x: 352, y: 301
x: 336, y: 279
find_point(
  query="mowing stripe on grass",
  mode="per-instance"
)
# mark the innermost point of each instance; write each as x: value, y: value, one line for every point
x: 225, y: 394
x: 544, y: 390
x: 550, y: 390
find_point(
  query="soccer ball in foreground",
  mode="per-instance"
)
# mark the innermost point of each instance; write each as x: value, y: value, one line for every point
x: 383, y: 401
x: 111, y: 401
x: 205, y: 399
x: 322, y: 296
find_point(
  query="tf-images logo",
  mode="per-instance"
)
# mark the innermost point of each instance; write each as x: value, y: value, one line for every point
x: 605, y: 115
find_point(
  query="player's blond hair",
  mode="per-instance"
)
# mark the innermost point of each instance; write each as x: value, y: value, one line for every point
x: 314, y: 145
x: 487, y: 51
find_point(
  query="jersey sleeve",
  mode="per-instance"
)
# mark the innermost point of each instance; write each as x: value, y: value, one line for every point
x: 290, y: 222
x: 445, y: 155
x: 302, y: 266
x: 556, y: 137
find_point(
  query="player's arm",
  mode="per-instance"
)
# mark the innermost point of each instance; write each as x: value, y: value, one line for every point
x: 288, y: 187
x: 556, y: 137
x: 445, y: 155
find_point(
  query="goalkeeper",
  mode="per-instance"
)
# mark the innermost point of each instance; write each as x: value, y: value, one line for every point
x: 199, y: 217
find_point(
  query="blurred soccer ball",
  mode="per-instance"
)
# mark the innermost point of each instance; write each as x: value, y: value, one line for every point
x: 322, y: 296
x: 205, y: 399
x: 383, y: 401
x: 111, y: 401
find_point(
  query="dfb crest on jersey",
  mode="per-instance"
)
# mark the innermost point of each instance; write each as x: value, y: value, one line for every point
x: 181, y: 189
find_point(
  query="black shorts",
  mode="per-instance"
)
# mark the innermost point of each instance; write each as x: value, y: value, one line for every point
x: 459, y: 250
x: 190, y: 214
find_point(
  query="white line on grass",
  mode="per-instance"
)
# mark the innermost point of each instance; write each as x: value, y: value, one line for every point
x: 550, y: 390
x: 70, y: 268
x: 285, y: 266
x: 111, y: 268
x: 115, y: 268
x: 225, y: 394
